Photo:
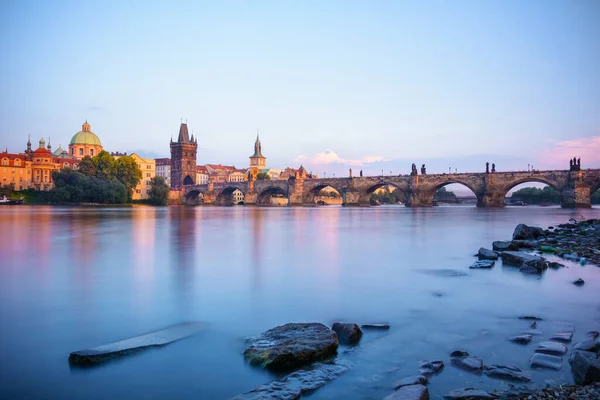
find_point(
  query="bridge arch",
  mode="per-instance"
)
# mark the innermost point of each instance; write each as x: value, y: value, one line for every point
x: 194, y: 198
x: 310, y: 197
x: 264, y: 197
x: 188, y: 180
x: 401, y: 193
x: 225, y: 196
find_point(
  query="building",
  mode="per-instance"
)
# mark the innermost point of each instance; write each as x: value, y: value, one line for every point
x: 148, y: 167
x: 219, y: 173
x: 238, y: 197
x: 272, y: 173
x: 299, y: 173
x: 15, y: 169
x: 202, y: 175
x: 85, y: 143
x: 258, y: 162
x: 163, y: 169
x: 237, y: 175
x: 183, y: 159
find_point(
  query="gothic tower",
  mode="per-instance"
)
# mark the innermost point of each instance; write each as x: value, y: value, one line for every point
x: 257, y: 160
x: 183, y: 159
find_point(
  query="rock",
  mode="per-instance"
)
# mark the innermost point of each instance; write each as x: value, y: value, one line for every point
x: 427, y: 368
x: 486, y: 254
x: 528, y: 244
x: 579, y: 282
x: 522, y: 232
x: 110, y: 351
x: 537, y: 232
x: 521, y: 339
x: 412, y: 392
x: 347, y: 333
x: 518, y: 258
x: 593, y: 335
x: 482, y: 264
x: 585, y: 367
x: 470, y: 363
x: 292, y: 345
x: 533, y: 324
x: 504, y: 246
x: 468, y: 394
x: 376, y: 326
x: 411, y: 380
x: 553, y: 348
x: 507, y: 372
x: 541, y: 360
x: 555, y: 265
x: 588, y: 345
x: 562, y: 337
x: 528, y: 269
x: 534, y: 332
x: 531, y: 318
x: 459, y: 353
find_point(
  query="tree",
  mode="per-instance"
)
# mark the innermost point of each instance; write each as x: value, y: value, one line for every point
x: 87, y: 166
x: 444, y: 195
x: 128, y: 173
x: 74, y: 187
x: 105, y: 166
x: 532, y: 195
x: 596, y: 197
x: 263, y: 176
x: 159, y: 191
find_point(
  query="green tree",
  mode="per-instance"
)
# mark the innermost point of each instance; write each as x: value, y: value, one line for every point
x: 444, y: 195
x: 596, y: 197
x: 159, y: 191
x: 263, y: 176
x: 87, y: 166
x: 532, y: 195
x: 74, y: 187
x: 128, y: 173
x: 105, y: 166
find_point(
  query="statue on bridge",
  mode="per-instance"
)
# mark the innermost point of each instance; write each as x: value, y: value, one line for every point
x: 575, y: 164
x: 423, y: 170
x: 350, y: 172
x: 413, y: 171
x: 361, y: 173
x: 493, y: 168
x: 487, y: 167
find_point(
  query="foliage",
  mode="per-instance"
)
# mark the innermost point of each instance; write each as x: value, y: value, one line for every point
x: 159, y: 191
x: 532, y: 195
x: 74, y: 187
x: 387, y: 196
x: 128, y: 173
x: 87, y: 166
x: 444, y: 195
x: 263, y: 176
x: 7, y: 190
x: 596, y: 197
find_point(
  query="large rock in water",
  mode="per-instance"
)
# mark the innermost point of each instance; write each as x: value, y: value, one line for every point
x: 292, y: 345
x: 585, y: 367
x: 507, y: 372
x: 486, y: 254
x: 522, y: 232
x: 504, y: 246
x: 411, y: 392
x: 347, y: 333
x: 518, y: 258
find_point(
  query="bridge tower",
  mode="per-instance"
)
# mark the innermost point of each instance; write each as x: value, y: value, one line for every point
x: 183, y: 158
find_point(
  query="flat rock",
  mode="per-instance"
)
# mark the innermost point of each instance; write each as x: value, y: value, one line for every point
x: 292, y: 345
x: 534, y: 332
x: 347, y: 333
x: 296, y: 384
x: 555, y: 265
x: 482, y: 264
x: 518, y: 258
x: 468, y: 394
x: 585, y: 367
x: 427, y: 368
x: 469, y: 363
x: 541, y: 360
x: 504, y: 246
x: 521, y: 339
x: 411, y: 380
x: 109, y: 351
x: 412, y: 392
x: 589, y: 345
x: 553, y: 348
x: 507, y: 372
x: 562, y: 337
x: 486, y: 254
x: 375, y: 326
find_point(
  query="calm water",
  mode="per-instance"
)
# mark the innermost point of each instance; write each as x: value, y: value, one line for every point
x: 72, y: 278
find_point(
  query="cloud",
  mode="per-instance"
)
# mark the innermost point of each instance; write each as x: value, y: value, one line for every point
x: 559, y: 154
x: 331, y: 157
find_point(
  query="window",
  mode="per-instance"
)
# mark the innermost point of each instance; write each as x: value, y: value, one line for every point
x: 148, y: 174
x: 17, y: 161
x: 91, y: 152
x: 80, y: 152
x: 5, y: 161
x: 148, y: 166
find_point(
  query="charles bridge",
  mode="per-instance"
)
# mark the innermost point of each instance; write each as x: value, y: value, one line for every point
x: 575, y: 186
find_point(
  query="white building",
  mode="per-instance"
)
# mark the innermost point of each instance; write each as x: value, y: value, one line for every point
x: 202, y: 175
x: 163, y: 168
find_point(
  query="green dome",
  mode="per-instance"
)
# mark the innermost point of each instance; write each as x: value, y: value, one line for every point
x: 85, y: 136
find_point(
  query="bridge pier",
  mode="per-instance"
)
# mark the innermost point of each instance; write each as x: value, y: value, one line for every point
x: 576, y: 194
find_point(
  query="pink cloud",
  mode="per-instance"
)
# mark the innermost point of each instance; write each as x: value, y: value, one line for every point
x: 588, y: 149
x: 330, y: 157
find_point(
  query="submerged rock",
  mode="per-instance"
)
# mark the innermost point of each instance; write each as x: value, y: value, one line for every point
x: 292, y: 345
x: 518, y: 258
x: 376, y: 326
x: 541, y: 360
x: 427, y: 368
x: 588, y: 345
x: 531, y: 318
x: 551, y: 348
x: 593, y: 335
x: 555, y: 265
x: 411, y: 380
x: 562, y: 337
x: 487, y: 254
x: 347, y: 333
x: 585, y: 367
x: 521, y: 339
x: 468, y: 394
x: 483, y: 264
x: 412, y: 392
x: 507, y: 372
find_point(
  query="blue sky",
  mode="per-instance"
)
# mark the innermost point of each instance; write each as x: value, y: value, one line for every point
x: 372, y: 85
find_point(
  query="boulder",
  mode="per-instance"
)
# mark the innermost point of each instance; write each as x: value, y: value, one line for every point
x: 347, y: 333
x: 521, y: 339
x: 376, y: 326
x: 459, y: 353
x: 553, y: 348
x: 469, y: 363
x: 593, y: 335
x: 412, y: 392
x: 483, y: 264
x: 468, y: 394
x: 518, y: 258
x: 539, y: 265
x: 555, y: 265
x: 411, y: 380
x: 537, y: 232
x: 579, y: 282
x: 507, y: 372
x: 504, y: 246
x: 528, y: 244
x: 428, y: 368
x: 541, y: 360
x: 292, y: 345
x: 522, y: 232
x: 486, y: 254
x: 589, y: 345
x: 585, y: 367
x: 562, y: 337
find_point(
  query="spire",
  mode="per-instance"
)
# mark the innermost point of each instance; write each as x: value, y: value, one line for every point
x: 257, y: 147
x: 183, y: 133
x: 49, y: 146
x: 42, y: 143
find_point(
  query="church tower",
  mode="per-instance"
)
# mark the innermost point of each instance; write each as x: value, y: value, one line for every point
x: 257, y: 160
x: 183, y: 159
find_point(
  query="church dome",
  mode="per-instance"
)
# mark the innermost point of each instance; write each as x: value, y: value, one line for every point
x: 86, y: 136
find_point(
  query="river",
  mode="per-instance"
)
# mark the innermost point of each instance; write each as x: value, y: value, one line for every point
x: 74, y: 278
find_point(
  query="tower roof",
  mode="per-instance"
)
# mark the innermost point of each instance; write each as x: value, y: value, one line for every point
x: 257, y: 149
x: 184, y: 136
x: 85, y: 136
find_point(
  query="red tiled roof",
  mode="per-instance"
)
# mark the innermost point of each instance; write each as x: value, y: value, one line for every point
x: 42, y: 152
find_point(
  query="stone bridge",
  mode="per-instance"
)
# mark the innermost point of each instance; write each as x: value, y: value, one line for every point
x: 576, y: 188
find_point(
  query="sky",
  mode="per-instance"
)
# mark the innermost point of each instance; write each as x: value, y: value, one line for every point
x: 333, y: 85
